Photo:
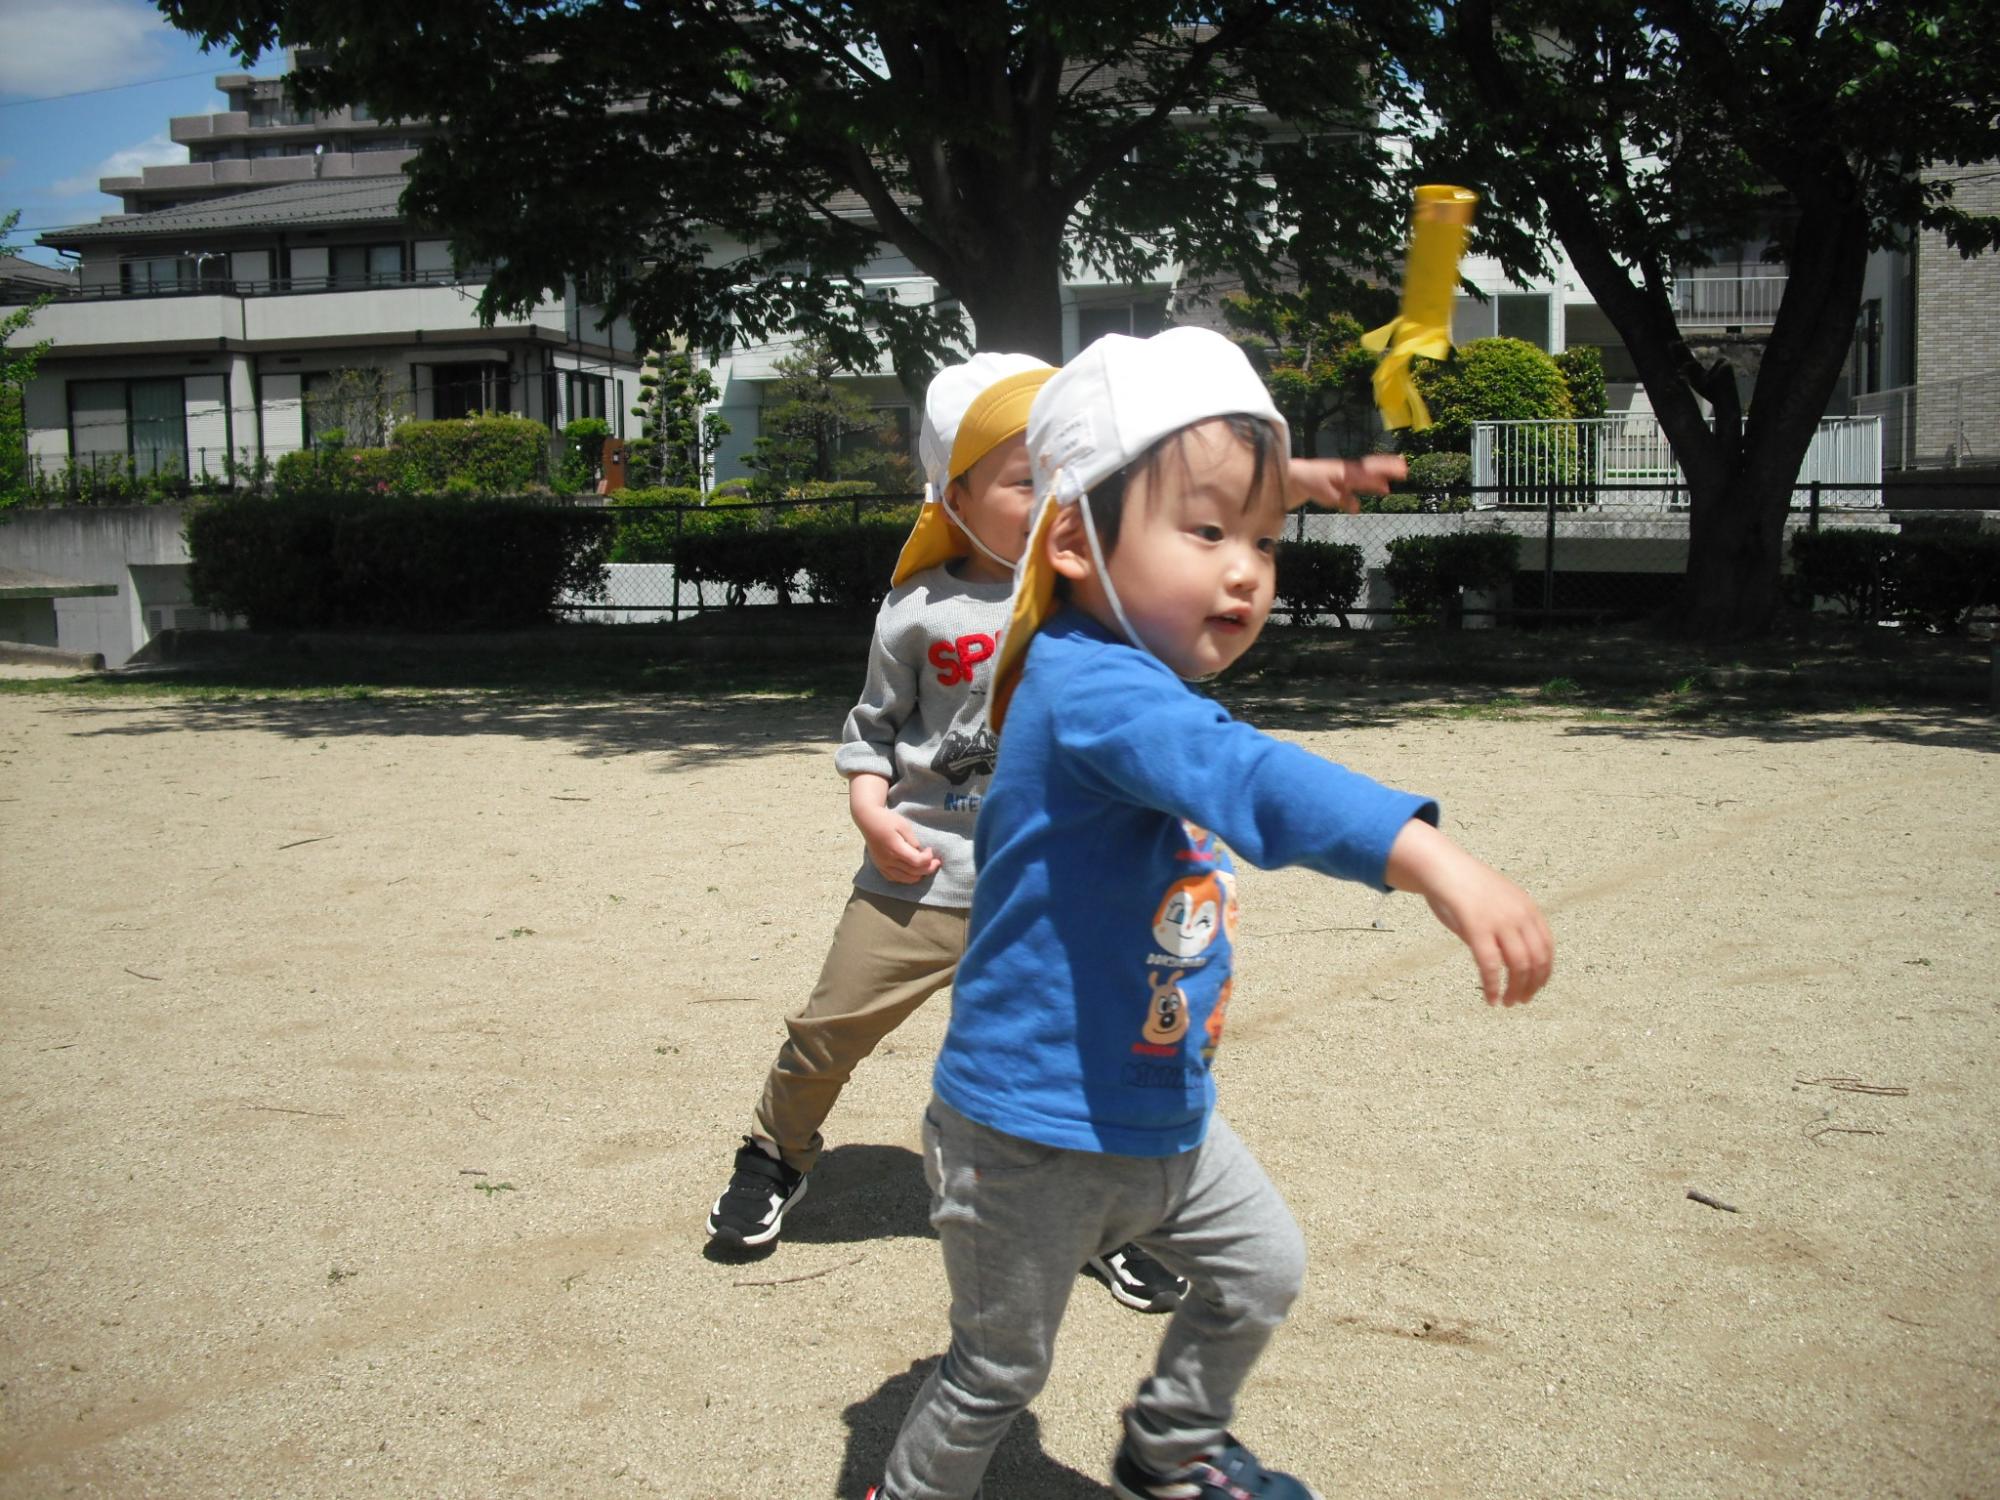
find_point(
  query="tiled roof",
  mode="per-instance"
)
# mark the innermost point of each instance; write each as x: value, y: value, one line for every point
x: 346, y: 200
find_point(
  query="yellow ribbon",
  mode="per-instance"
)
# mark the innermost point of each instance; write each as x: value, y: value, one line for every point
x: 1422, y: 330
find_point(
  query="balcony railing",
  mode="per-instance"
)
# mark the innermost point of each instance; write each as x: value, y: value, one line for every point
x: 222, y: 286
x: 1728, y: 301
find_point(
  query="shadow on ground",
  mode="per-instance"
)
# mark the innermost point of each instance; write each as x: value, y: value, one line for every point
x: 1020, y: 1469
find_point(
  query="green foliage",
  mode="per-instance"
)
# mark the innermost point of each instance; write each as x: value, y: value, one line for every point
x: 17, y: 368
x: 1319, y: 578
x: 336, y: 471
x: 1489, y: 380
x: 361, y: 405
x: 496, y: 455
x: 1654, y: 138
x: 678, y: 435
x: 1582, y: 367
x: 582, y: 448
x: 1431, y: 573
x: 1438, y: 482
x: 1927, y: 580
x: 817, y: 427
x: 1311, y: 359
x: 316, y: 562
x: 745, y: 545
x: 689, y: 127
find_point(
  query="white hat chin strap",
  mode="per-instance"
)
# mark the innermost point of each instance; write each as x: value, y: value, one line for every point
x: 950, y: 510
x: 1132, y: 636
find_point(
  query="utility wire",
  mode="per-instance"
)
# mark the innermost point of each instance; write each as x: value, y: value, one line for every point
x: 109, y: 88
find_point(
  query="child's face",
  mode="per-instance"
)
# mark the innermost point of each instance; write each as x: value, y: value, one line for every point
x: 994, y: 498
x: 1195, y: 569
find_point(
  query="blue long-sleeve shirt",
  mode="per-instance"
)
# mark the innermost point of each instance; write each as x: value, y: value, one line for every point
x: 1096, y: 975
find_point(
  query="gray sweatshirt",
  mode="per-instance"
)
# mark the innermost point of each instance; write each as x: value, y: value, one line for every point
x: 921, y: 722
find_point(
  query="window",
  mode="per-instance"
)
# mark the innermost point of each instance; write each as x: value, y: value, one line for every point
x: 466, y: 390
x: 366, y: 265
x: 164, y: 273
x: 583, y: 395
x: 1524, y: 316
x: 1141, y: 319
x: 144, y: 421
x: 1867, y: 376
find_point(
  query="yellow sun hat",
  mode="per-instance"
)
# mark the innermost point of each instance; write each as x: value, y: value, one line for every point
x: 1439, y: 225
x: 1097, y: 414
x: 969, y: 410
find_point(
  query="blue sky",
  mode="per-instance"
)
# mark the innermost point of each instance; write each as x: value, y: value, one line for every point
x: 52, y: 151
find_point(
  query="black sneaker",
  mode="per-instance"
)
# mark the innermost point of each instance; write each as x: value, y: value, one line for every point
x: 1137, y: 1280
x: 1230, y: 1473
x: 751, y: 1210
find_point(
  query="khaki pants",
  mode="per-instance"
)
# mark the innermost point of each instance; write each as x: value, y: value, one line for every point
x: 888, y: 957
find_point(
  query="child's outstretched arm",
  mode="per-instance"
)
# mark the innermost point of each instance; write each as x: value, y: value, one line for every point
x: 1339, y: 483
x: 892, y: 842
x: 1495, y: 918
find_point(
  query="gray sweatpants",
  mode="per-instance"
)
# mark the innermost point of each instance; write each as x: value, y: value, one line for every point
x: 1016, y: 1219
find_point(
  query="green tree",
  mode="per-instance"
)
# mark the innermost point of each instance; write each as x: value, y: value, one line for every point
x: 1582, y: 367
x: 361, y: 405
x: 700, y: 164
x: 676, y: 425
x: 1648, y: 135
x: 1489, y: 380
x: 1310, y: 356
x: 817, y: 427
x: 18, y: 358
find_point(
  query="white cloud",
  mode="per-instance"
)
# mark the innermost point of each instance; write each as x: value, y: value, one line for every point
x: 48, y: 48
x: 157, y: 151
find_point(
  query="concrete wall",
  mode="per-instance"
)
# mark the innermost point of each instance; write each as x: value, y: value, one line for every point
x: 139, y: 548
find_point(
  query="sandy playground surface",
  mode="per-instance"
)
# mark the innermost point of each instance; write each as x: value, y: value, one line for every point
x: 367, y: 1068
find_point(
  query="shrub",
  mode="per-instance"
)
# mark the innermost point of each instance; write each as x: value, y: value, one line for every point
x: 1319, y: 578
x: 336, y: 471
x: 1439, y: 482
x: 582, y: 448
x: 1582, y: 367
x: 385, y: 561
x: 498, y: 455
x: 1855, y: 568
x: 1431, y: 573
x: 1489, y: 380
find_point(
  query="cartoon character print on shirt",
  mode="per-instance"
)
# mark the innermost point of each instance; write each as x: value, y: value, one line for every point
x: 1189, y: 915
x: 961, y: 756
x: 1216, y: 1019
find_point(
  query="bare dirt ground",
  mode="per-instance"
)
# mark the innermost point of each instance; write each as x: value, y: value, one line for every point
x: 366, y: 1069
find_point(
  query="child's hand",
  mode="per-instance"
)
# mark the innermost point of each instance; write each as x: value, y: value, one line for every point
x: 892, y: 843
x: 1495, y: 918
x: 1338, y: 483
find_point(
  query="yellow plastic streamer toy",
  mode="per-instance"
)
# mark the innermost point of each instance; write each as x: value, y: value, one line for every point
x: 1438, y: 227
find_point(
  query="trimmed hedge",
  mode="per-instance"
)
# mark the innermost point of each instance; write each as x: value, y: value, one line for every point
x: 334, y: 470
x: 494, y: 455
x: 327, y: 562
x: 1928, y: 579
x: 1430, y: 573
x: 1319, y: 578
x: 745, y: 546
x: 1438, y: 483
x: 1488, y: 380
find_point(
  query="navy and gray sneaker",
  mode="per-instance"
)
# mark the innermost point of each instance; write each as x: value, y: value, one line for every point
x: 1137, y: 1280
x: 752, y: 1208
x: 1231, y: 1472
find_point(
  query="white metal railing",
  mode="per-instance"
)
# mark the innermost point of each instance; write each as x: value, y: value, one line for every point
x: 1727, y: 301
x: 1942, y: 424
x: 1626, y: 462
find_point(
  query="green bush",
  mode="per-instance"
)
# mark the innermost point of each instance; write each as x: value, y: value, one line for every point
x: 336, y: 471
x: 1431, y: 573
x: 1319, y: 578
x: 498, y: 455
x: 582, y: 447
x: 1439, y: 482
x: 1489, y: 380
x: 1927, y: 579
x: 1582, y: 367
x: 745, y: 545
x: 323, y: 562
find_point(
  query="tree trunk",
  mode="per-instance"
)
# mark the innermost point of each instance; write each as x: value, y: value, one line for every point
x: 1016, y: 303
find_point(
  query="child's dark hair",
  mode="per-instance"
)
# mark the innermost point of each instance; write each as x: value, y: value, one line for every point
x: 1107, y: 498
